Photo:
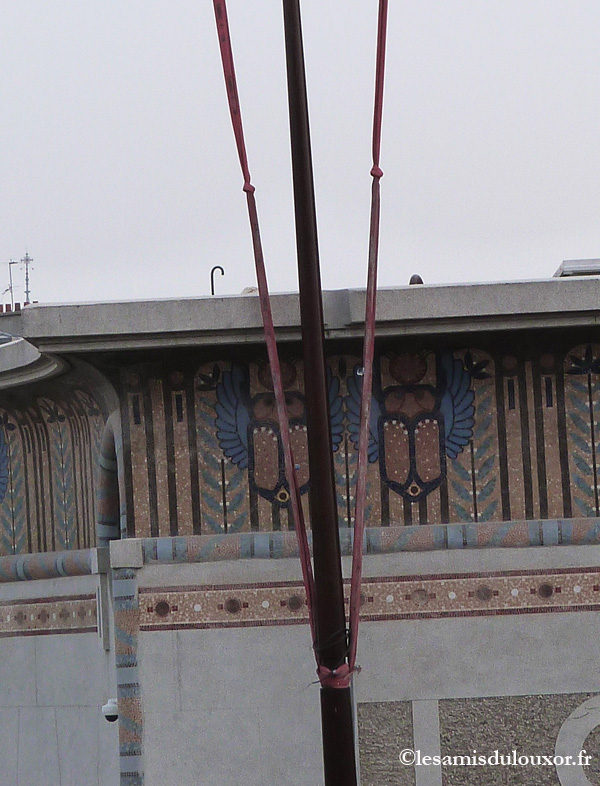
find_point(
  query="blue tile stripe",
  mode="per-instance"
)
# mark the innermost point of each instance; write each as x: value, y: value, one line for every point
x: 278, y: 545
x: 127, y: 675
x: 29, y: 567
x: 455, y: 538
x: 125, y: 600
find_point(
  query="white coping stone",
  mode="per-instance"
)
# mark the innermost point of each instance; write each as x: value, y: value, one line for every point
x: 79, y: 327
x: 100, y: 560
x: 126, y: 553
x: 16, y: 354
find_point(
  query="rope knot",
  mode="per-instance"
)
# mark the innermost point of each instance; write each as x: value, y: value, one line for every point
x: 335, y: 678
x: 248, y: 188
x: 376, y: 171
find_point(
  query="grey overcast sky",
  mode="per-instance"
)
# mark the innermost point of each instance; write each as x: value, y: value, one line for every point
x: 119, y: 172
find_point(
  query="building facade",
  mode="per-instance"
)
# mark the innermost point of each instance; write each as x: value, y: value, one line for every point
x: 147, y: 551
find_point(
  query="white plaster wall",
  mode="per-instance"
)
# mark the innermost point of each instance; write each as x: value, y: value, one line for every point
x: 51, y: 691
x: 219, y: 703
x: 222, y: 707
x: 522, y: 654
x: 225, y: 706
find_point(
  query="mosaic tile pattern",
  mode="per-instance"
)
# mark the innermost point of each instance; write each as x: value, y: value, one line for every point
x: 49, y: 445
x: 378, y: 540
x: 528, y: 724
x: 45, y: 616
x: 410, y: 597
x: 126, y: 608
x: 501, y: 432
x: 30, y: 567
x: 384, y: 729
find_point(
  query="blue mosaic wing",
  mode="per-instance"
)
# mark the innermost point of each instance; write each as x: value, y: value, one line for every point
x: 457, y: 405
x: 336, y: 410
x: 232, y: 416
x: 353, y: 400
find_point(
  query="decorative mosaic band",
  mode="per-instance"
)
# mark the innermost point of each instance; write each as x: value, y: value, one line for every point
x: 29, y: 567
x: 126, y: 608
x: 44, y: 616
x: 406, y: 597
x: 380, y: 540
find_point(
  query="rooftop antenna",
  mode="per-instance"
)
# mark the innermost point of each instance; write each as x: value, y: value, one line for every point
x: 27, y: 260
x: 11, y: 262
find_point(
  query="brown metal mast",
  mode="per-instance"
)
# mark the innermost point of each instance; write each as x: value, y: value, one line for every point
x: 330, y: 618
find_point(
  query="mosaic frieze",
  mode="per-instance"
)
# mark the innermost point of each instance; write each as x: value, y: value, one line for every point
x: 45, y: 616
x: 410, y: 597
x: 456, y: 436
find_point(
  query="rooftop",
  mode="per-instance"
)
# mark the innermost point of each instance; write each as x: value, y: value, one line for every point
x: 409, y: 310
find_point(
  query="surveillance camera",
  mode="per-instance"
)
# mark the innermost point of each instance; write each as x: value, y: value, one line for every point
x: 110, y: 710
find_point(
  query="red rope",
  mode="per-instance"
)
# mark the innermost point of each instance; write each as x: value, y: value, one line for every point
x: 369, y: 345
x: 340, y: 677
x: 265, y: 307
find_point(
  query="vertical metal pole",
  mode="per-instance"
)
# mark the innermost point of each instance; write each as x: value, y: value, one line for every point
x: 27, y: 260
x: 12, y: 297
x: 336, y: 703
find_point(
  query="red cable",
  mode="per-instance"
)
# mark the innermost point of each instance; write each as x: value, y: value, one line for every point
x: 265, y: 306
x: 338, y: 678
x: 369, y: 345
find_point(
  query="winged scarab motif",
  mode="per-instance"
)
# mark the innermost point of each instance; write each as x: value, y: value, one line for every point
x: 248, y: 428
x: 415, y: 426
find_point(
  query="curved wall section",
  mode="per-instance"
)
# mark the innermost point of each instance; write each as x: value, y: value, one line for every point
x: 50, y: 436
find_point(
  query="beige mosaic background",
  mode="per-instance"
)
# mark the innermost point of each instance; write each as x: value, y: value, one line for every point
x: 384, y: 729
x: 528, y: 724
